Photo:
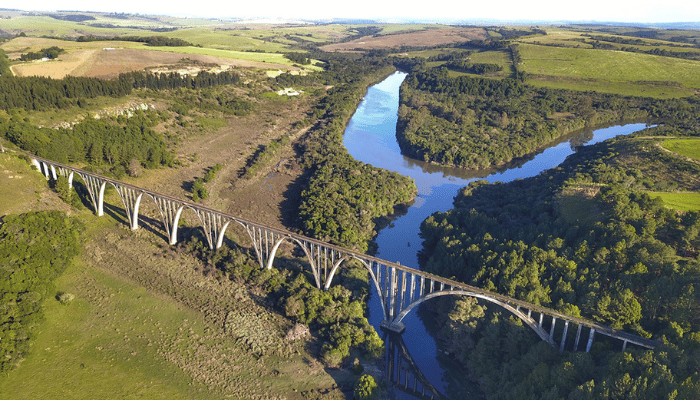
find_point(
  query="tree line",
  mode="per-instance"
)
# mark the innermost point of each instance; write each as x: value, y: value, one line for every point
x: 148, y: 40
x: 47, y: 52
x: 113, y: 142
x: 40, y: 93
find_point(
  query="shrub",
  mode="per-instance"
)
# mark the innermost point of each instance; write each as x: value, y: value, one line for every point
x: 366, y: 388
x: 65, y: 298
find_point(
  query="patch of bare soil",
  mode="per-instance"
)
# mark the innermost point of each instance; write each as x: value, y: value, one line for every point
x: 428, y: 37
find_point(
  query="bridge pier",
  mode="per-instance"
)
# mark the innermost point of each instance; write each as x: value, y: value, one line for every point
x: 96, y: 189
x: 400, y: 288
x: 393, y: 327
x: 131, y: 200
x: 170, y: 212
x: 214, y: 227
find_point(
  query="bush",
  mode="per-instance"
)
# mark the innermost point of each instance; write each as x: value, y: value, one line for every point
x: 366, y: 388
x: 65, y: 298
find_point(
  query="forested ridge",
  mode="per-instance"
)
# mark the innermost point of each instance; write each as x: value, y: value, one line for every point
x: 477, y: 122
x: 586, y: 239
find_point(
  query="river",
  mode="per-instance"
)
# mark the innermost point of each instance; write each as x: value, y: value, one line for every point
x: 371, y: 138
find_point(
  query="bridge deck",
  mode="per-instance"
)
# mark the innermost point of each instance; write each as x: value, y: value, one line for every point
x: 453, y: 285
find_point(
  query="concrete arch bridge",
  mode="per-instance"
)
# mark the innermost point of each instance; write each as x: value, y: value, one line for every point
x: 401, y: 288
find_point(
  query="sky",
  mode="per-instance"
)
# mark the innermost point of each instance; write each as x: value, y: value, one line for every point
x: 650, y: 11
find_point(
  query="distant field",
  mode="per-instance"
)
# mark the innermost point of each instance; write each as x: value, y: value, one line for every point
x: 619, y: 72
x: 501, y: 58
x: 393, y: 28
x: 680, y: 201
x: 47, y: 26
x: 686, y: 147
x: 422, y: 38
x: 90, y: 58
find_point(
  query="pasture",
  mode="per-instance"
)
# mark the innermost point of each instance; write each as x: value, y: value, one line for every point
x: 685, y: 147
x: 679, y: 201
x: 610, y: 71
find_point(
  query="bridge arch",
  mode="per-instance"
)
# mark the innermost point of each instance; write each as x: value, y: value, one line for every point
x: 373, y: 276
x: 541, y: 332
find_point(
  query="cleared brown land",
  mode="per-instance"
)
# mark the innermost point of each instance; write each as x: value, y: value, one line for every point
x: 100, y: 63
x: 428, y: 37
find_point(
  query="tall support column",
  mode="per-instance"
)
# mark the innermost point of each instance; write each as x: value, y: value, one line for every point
x: 68, y: 173
x: 624, y: 345
x: 578, y: 336
x: 392, y: 293
x: 541, y: 318
x: 392, y: 303
x: 170, y: 212
x: 44, y: 169
x: 37, y: 164
x: 402, y: 293
x: 563, y: 336
x: 53, y: 172
x: 96, y: 189
x: 214, y: 226
x: 551, y: 330
x: 590, y: 340
x: 131, y: 200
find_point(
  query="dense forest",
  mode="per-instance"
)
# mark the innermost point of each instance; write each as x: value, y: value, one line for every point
x: 35, y: 248
x: 476, y: 122
x: 586, y: 239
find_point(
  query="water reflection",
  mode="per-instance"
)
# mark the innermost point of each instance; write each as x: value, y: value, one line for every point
x: 371, y: 138
x: 402, y: 370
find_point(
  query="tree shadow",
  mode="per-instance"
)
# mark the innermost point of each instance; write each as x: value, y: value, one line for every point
x: 289, y: 207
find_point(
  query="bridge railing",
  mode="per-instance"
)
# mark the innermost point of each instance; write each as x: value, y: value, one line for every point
x: 266, y: 240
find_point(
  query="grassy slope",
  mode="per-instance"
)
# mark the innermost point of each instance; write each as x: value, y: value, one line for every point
x: 146, y: 324
x: 680, y: 201
x: 686, y: 147
x: 101, y: 345
x: 610, y: 71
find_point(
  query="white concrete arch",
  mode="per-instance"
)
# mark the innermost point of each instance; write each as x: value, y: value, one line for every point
x: 528, y: 321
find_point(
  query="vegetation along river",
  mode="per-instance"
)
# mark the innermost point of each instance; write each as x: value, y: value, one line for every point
x: 371, y: 138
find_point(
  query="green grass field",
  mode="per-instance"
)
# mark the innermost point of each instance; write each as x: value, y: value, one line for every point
x: 21, y: 186
x: 394, y: 28
x: 680, y: 201
x: 686, y: 147
x: 103, y: 348
x: 610, y: 71
x: 501, y: 58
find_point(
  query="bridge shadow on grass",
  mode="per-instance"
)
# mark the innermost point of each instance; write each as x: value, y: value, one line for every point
x: 289, y: 207
x: 151, y: 225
